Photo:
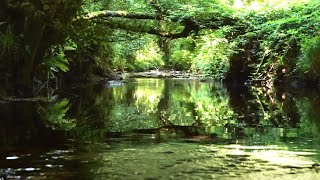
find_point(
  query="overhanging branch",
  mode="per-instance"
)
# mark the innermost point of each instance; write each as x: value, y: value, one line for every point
x: 135, y: 15
x: 184, y: 33
x: 123, y: 14
x: 191, y: 24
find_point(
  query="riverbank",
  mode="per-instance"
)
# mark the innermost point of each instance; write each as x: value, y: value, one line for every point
x: 164, y: 74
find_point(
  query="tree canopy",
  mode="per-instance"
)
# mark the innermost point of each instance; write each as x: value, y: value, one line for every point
x: 261, y: 40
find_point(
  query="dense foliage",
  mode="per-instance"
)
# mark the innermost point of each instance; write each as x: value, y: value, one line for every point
x: 280, y: 42
x: 254, y: 41
x: 31, y: 31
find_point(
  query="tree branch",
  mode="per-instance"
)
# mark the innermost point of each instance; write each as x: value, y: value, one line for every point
x: 123, y: 14
x: 190, y: 24
x: 188, y: 29
x: 135, y: 15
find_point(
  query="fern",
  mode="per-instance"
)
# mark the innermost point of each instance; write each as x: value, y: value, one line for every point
x: 57, y: 61
x: 54, y: 115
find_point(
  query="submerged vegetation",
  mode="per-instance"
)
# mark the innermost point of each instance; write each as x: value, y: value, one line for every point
x: 263, y: 41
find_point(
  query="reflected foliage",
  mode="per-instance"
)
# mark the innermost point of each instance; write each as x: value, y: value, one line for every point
x: 22, y: 127
x: 53, y: 115
x: 163, y: 103
x: 308, y: 111
x: 165, y: 116
x: 181, y: 108
x: 193, y: 109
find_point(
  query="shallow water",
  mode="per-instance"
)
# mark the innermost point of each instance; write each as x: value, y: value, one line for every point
x: 162, y: 129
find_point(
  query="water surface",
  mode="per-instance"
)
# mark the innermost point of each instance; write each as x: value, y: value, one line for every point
x: 162, y: 129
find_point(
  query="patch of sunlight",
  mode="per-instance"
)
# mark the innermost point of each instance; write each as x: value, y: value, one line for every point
x: 199, y: 105
x: 238, y: 4
x: 237, y: 152
x: 275, y: 4
x: 138, y: 94
x: 273, y: 154
x: 140, y: 55
x: 266, y: 51
x: 284, y: 158
x: 256, y: 6
x: 153, y: 51
x: 215, y: 42
x: 235, y: 146
x: 152, y: 98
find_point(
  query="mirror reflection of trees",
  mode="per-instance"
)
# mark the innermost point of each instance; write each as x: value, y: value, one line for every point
x: 188, y: 109
x: 181, y: 107
x: 308, y: 108
x: 53, y: 115
x: 28, y: 124
x: 276, y: 116
x: 172, y: 108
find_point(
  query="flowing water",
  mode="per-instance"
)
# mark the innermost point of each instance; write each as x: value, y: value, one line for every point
x: 153, y: 129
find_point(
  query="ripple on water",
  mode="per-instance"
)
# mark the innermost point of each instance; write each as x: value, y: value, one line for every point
x: 162, y: 161
x: 12, y: 157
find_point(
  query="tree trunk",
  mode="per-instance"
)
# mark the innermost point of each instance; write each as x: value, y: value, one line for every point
x: 164, y: 44
x: 33, y: 35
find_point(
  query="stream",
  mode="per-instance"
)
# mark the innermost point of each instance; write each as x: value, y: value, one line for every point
x: 169, y: 128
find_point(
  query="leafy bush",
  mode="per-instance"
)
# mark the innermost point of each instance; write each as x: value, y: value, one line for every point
x: 181, y: 59
x: 137, y: 55
x: 149, y: 57
x: 309, y: 62
x: 182, y: 53
x: 212, y: 55
x: 272, y: 38
x: 123, y: 55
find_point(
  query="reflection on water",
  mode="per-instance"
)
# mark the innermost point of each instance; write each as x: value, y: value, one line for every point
x: 162, y: 129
